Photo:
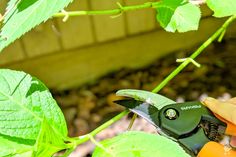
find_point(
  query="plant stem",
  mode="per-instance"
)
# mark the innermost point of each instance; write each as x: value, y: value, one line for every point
x: 132, y: 121
x: 119, y: 10
x: 85, y: 138
x: 195, y: 54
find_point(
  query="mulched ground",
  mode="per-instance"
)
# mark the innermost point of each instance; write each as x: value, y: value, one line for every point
x: 88, y: 106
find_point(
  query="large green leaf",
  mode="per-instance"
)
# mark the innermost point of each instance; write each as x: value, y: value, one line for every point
x: 15, y: 148
x: 49, y: 142
x: 23, y: 15
x: 156, y: 100
x: 222, y: 8
x: 139, y: 144
x: 178, y: 15
x: 24, y: 103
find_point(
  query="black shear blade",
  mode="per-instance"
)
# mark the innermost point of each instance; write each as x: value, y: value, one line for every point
x: 143, y: 109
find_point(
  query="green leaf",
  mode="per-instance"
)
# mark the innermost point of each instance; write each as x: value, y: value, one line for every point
x: 222, y: 8
x: 139, y: 144
x: 156, y: 100
x: 49, y: 142
x: 178, y: 15
x: 15, y: 148
x: 24, y: 103
x: 22, y: 15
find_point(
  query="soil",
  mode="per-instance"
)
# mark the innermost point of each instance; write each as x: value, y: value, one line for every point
x: 88, y: 106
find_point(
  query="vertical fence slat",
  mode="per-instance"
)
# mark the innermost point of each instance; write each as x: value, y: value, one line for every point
x: 140, y: 20
x: 107, y: 28
x: 41, y: 40
x: 12, y: 53
x: 76, y: 31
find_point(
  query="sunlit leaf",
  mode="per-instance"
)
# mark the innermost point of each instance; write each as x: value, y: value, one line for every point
x: 178, y: 15
x: 139, y: 144
x: 15, y: 148
x: 222, y: 8
x: 24, y: 103
x: 49, y: 142
x: 22, y: 15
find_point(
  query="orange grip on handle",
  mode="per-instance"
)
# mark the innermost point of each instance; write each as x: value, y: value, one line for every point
x: 231, y: 128
x: 214, y: 149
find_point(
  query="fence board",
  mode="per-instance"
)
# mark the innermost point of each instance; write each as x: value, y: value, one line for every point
x: 41, y: 40
x: 12, y: 53
x: 76, y: 31
x: 107, y: 28
x: 140, y: 20
x: 3, y: 4
x: 73, y: 68
x: 205, y: 11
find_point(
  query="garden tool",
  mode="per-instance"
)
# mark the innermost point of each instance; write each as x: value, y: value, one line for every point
x: 191, y: 124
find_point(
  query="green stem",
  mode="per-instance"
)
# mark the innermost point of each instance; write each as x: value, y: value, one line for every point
x: 119, y: 10
x: 85, y: 138
x: 194, y: 55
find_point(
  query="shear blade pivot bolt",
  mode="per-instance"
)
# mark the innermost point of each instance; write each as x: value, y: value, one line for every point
x: 171, y: 114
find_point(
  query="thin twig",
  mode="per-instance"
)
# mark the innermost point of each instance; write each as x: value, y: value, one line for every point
x: 190, y: 60
x: 132, y: 121
x: 85, y: 138
x: 117, y: 11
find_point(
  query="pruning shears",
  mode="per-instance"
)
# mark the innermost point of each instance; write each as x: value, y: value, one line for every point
x: 191, y: 124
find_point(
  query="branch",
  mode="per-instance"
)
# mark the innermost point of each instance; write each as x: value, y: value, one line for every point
x: 85, y: 138
x: 117, y: 11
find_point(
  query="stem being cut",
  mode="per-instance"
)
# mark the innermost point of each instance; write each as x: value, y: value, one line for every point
x: 85, y: 138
